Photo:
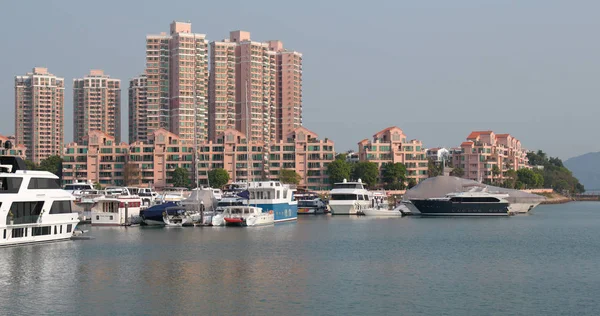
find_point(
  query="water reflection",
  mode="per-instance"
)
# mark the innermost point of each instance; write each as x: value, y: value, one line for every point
x: 325, y: 265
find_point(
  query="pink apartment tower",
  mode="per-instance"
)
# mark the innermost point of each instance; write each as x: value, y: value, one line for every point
x: 96, y: 105
x: 176, y: 84
x: 39, y: 110
x: 254, y: 87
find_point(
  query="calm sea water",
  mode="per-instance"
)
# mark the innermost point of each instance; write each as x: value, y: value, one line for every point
x: 545, y: 263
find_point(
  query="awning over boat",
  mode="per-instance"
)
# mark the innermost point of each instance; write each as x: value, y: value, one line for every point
x: 440, y: 186
x: 201, y: 196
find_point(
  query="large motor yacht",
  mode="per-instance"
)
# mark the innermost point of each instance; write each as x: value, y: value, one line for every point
x: 479, y: 203
x: 348, y: 198
x: 33, y: 207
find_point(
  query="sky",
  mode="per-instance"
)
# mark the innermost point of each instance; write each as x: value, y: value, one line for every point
x: 436, y: 69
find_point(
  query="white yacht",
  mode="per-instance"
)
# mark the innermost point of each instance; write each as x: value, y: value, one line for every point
x: 33, y: 207
x: 348, y: 198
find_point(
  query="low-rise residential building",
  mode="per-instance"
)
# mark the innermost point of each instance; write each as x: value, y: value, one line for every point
x: 9, y: 148
x: 483, y: 150
x: 437, y: 154
x: 100, y: 159
x: 390, y: 146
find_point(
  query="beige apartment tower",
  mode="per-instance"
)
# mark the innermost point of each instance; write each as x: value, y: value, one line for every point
x: 138, y: 108
x: 96, y: 105
x: 255, y: 87
x: 39, y: 113
x: 177, y: 83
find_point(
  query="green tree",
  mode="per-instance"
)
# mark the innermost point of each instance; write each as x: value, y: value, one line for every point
x: 52, y: 164
x: 289, y: 176
x: 434, y: 169
x: 495, y: 172
x: 338, y: 170
x: 511, y: 179
x: 30, y: 165
x: 394, y: 176
x: 131, y: 174
x: 181, y: 178
x: 341, y: 156
x: 411, y: 183
x: 529, y: 178
x: 97, y: 186
x: 218, y: 177
x: 457, y: 172
x: 366, y: 171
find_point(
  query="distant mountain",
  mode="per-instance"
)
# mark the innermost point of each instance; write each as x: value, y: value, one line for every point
x: 586, y: 168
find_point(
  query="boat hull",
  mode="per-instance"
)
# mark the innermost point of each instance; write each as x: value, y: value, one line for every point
x: 57, y: 232
x: 521, y: 208
x: 348, y: 207
x: 282, y: 211
x: 310, y: 210
x: 448, y: 208
x: 376, y: 212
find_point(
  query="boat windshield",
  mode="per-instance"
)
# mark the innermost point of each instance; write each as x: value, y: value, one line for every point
x: 307, y: 203
x: 475, y: 199
x: 346, y: 197
x: 230, y: 203
x: 74, y: 187
x: 348, y: 186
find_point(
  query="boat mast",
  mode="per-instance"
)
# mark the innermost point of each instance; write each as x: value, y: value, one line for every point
x: 248, y: 137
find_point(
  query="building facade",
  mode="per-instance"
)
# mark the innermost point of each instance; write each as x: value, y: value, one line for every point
x: 438, y: 154
x: 255, y: 87
x: 9, y: 148
x: 138, y: 109
x: 221, y: 88
x: 390, y: 146
x: 39, y: 113
x: 177, y: 83
x: 288, y: 107
x: 96, y: 105
x: 101, y: 159
x: 483, y: 150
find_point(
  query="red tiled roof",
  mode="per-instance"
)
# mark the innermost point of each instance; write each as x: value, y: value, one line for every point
x: 466, y: 144
x: 474, y: 134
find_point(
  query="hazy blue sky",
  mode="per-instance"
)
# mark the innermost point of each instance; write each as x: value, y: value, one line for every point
x: 436, y: 69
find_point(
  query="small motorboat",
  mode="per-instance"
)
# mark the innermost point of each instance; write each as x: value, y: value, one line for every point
x: 247, y: 216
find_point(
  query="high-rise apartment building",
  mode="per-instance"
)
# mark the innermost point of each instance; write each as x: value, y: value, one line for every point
x: 221, y: 88
x: 255, y: 87
x: 177, y: 82
x: 138, y: 109
x: 96, y: 105
x: 289, y: 90
x: 39, y: 113
x: 256, y: 74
